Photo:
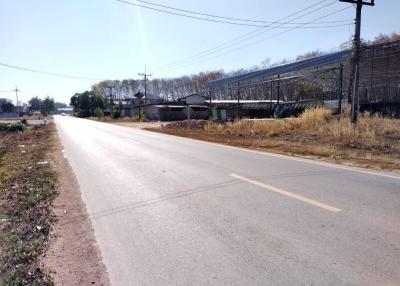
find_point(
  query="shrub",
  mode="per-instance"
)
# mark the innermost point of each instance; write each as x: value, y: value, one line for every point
x: 98, y: 112
x: 83, y: 113
x: 12, y: 127
x: 116, y: 114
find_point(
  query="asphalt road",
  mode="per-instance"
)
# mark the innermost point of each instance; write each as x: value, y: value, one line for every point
x: 174, y: 211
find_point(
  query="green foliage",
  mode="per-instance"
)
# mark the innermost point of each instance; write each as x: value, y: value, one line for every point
x: 47, y: 106
x: 35, y: 103
x: 12, y: 127
x: 88, y: 103
x: 98, y: 112
x: 60, y: 105
x: 7, y: 107
x: 116, y: 114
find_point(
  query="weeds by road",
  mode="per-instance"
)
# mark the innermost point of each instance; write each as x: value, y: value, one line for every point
x: 27, y: 189
x: 117, y: 120
x: 374, y: 142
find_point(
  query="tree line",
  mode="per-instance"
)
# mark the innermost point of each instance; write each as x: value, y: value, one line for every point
x: 45, y: 106
x: 170, y: 89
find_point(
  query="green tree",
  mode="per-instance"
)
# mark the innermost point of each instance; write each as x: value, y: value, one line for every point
x: 97, y: 101
x: 86, y: 103
x: 60, y: 105
x: 35, y: 103
x: 81, y: 104
x: 98, y: 112
x: 48, y: 106
x: 7, y: 107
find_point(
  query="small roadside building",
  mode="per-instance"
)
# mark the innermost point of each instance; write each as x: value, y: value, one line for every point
x: 193, y: 99
x: 139, y: 101
x: 65, y: 110
x: 193, y: 106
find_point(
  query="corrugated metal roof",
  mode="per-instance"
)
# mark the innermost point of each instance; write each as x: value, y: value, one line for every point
x: 334, y: 58
x: 234, y: 101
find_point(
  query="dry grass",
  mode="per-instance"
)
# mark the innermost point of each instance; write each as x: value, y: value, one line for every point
x: 309, y: 119
x: 370, y: 132
x: 109, y: 119
x: 373, y: 142
x: 27, y: 190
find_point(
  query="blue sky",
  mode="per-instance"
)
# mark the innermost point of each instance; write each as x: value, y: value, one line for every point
x: 106, y: 39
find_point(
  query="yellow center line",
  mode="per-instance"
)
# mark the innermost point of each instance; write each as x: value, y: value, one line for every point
x: 288, y: 194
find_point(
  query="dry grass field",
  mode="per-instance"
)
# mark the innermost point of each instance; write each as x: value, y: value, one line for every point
x: 374, y: 142
x: 27, y: 189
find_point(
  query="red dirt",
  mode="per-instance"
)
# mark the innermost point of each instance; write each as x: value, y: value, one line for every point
x: 73, y: 257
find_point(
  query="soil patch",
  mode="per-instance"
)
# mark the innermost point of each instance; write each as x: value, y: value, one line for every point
x: 73, y: 256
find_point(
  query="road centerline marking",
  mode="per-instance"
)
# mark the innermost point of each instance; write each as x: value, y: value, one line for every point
x: 288, y: 194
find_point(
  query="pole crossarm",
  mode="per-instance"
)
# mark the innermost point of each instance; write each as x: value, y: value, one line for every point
x: 371, y: 3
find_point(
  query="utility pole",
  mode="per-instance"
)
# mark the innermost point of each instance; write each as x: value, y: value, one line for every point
x: 340, y: 89
x: 278, y: 90
x: 355, y: 69
x: 16, y: 95
x: 238, y: 102
x: 145, y: 75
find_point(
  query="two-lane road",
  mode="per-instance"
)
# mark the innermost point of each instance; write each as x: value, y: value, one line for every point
x: 174, y: 211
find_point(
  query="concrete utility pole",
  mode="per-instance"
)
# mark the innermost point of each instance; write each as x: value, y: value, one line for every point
x: 340, y: 89
x: 16, y: 95
x: 145, y: 75
x: 278, y: 90
x: 355, y: 68
x: 238, y: 102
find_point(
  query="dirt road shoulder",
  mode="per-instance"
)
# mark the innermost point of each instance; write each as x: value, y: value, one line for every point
x: 73, y: 257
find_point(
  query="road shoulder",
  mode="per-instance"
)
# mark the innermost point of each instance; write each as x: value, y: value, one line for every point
x: 73, y: 256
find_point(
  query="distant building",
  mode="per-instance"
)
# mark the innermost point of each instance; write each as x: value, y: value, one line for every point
x: 150, y: 98
x: 193, y: 99
x: 132, y: 105
x: 65, y: 110
x: 153, y: 106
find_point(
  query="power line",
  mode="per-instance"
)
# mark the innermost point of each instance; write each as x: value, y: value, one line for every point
x: 31, y: 93
x: 224, y: 17
x: 94, y: 79
x: 199, y: 18
x: 48, y: 73
x: 250, y: 44
x: 250, y: 35
x: 178, y: 66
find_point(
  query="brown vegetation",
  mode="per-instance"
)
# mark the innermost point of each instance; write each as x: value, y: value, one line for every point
x: 27, y: 189
x: 374, y: 142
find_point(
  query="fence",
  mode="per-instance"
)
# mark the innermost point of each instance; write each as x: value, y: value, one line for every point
x: 324, y: 81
